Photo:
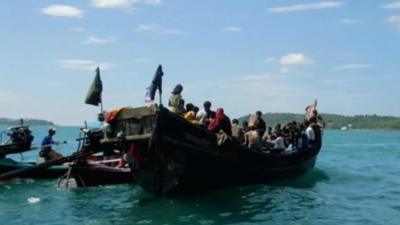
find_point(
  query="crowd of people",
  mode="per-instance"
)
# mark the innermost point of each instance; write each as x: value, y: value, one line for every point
x: 214, y: 121
x: 254, y: 133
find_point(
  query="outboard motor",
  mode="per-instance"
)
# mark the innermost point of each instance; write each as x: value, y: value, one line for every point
x: 90, y: 138
x: 21, y: 136
x: 94, y: 136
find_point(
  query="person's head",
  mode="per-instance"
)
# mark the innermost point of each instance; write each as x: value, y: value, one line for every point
x: 100, y: 117
x: 52, y: 131
x: 278, y: 125
x: 219, y: 112
x: 258, y: 114
x: 189, y: 107
x: 301, y: 127
x: 315, y: 112
x: 307, y: 123
x: 207, y: 106
x: 195, y: 109
x: 178, y: 89
x: 235, y: 121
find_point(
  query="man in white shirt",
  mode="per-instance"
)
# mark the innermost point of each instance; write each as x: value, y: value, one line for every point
x: 204, y: 115
x: 278, y: 142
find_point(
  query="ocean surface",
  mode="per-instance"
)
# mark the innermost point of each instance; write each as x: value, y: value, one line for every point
x: 356, y: 181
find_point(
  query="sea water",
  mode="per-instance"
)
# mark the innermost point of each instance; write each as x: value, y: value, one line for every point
x: 356, y: 181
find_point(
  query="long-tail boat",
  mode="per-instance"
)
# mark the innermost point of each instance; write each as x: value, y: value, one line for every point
x: 172, y: 155
x: 19, y: 140
x: 96, y: 170
x: 95, y: 173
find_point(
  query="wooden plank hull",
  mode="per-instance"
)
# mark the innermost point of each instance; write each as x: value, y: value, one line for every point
x: 88, y: 175
x: 180, y: 157
x: 7, y: 165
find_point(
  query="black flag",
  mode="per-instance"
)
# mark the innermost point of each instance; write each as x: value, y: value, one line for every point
x: 156, y: 83
x: 93, y: 96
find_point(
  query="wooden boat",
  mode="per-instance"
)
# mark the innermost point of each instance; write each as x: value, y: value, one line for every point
x: 92, y: 173
x: 176, y: 156
x: 7, y: 165
x: 19, y: 140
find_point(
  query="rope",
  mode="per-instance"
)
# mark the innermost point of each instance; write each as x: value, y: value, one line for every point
x: 82, y: 182
x: 66, y: 176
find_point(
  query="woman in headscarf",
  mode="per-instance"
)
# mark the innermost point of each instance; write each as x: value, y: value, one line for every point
x: 175, y: 101
x: 220, y: 122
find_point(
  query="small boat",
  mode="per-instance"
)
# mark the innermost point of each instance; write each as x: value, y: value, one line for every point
x: 7, y: 165
x: 175, y: 156
x: 19, y: 140
x: 95, y: 173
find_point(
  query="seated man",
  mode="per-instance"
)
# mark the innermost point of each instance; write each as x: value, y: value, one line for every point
x: 47, y: 152
x: 278, y: 142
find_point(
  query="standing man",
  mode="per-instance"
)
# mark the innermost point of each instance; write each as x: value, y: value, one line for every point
x: 47, y: 152
x: 260, y: 124
x: 206, y: 114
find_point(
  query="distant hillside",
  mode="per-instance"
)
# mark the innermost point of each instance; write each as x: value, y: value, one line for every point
x: 31, y: 122
x: 334, y: 121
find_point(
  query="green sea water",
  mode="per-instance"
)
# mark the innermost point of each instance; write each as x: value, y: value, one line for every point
x: 356, y: 181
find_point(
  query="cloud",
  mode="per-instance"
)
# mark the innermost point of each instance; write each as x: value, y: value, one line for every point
x: 350, y: 21
x: 304, y: 7
x: 62, y: 11
x: 294, y: 59
x: 261, y: 84
x: 392, y: 5
x: 394, y: 20
x: 232, y: 29
x: 354, y: 66
x: 145, y: 28
x: 123, y: 4
x: 97, y: 40
x: 83, y: 64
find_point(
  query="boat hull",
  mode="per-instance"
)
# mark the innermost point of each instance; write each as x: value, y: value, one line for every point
x: 7, y: 165
x: 183, y: 158
x: 89, y: 175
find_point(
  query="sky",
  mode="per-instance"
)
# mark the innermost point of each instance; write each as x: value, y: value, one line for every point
x: 243, y: 56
